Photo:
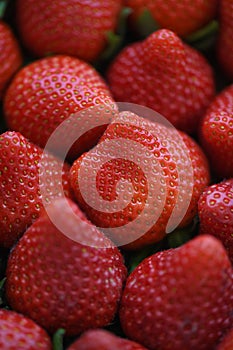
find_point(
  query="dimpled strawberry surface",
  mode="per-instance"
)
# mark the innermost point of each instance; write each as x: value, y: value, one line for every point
x: 116, y: 175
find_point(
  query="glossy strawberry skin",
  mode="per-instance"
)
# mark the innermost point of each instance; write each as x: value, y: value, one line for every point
x: 227, y: 342
x: 215, y: 209
x: 166, y: 75
x: 183, y: 17
x: 10, y: 56
x: 224, y: 45
x: 49, y: 91
x: 19, y: 332
x: 101, y: 339
x: 74, y: 28
x: 216, y: 133
x: 60, y: 282
x: 180, y: 298
x: 156, y: 140
x: 20, y: 192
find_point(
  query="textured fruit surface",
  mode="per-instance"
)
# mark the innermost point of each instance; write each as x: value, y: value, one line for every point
x: 149, y: 157
x: 10, y: 56
x: 216, y: 133
x: 180, y: 298
x: 76, y: 28
x: 224, y: 47
x: 47, y: 92
x: 183, y: 17
x: 166, y: 75
x: 101, y: 339
x: 215, y: 209
x: 20, y: 188
x: 60, y: 282
x: 19, y: 332
x: 227, y: 342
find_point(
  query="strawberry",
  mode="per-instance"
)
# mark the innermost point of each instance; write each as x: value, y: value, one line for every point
x: 180, y: 298
x: 166, y: 75
x: 76, y: 28
x: 157, y: 162
x: 49, y: 91
x: 20, y: 192
x: 65, y: 276
x: 216, y: 133
x: 19, y: 332
x: 10, y: 56
x: 101, y: 339
x: 183, y: 17
x: 224, y: 45
x: 215, y: 210
x: 227, y: 342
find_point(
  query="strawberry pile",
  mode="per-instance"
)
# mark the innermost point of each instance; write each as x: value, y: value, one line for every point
x: 116, y: 175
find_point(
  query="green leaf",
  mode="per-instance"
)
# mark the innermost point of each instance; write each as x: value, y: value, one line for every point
x: 204, y: 38
x: 2, y: 290
x: 182, y: 235
x: 115, y: 40
x: 58, y: 339
x: 146, y: 24
x: 3, y: 5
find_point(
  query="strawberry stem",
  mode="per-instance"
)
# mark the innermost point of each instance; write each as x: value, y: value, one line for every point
x: 146, y: 24
x: 58, y: 339
x: 3, y: 5
x: 204, y: 38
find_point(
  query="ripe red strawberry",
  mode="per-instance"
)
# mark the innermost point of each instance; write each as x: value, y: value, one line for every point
x: 166, y: 75
x: 227, y: 342
x: 10, y: 56
x: 101, y: 339
x: 47, y: 92
x: 20, y: 192
x: 149, y: 157
x: 215, y: 210
x: 72, y: 283
x: 224, y: 47
x: 216, y: 133
x: 19, y: 332
x: 77, y: 28
x: 183, y: 17
x: 180, y: 298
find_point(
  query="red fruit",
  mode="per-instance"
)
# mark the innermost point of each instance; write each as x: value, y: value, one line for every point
x: 10, y: 56
x: 20, y: 188
x: 224, y: 47
x: 156, y: 162
x: 76, y: 28
x: 183, y: 17
x: 72, y: 283
x: 19, y: 332
x: 180, y: 298
x: 101, y: 339
x: 227, y: 342
x: 215, y: 210
x: 166, y: 75
x: 49, y: 91
x: 216, y: 133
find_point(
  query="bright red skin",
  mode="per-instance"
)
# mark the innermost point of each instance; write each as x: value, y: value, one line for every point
x: 60, y: 283
x: 183, y: 17
x: 76, y: 28
x: 180, y: 298
x: 227, y: 342
x: 166, y: 75
x: 224, y: 46
x: 19, y: 332
x: 47, y: 92
x: 10, y: 56
x: 20, y: 195
x: 118, y: 169
x: 215, y: 209
x: 216, y: 133
x: 101, y: 339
